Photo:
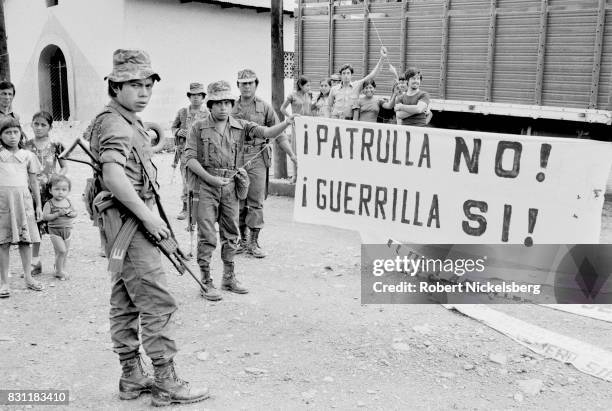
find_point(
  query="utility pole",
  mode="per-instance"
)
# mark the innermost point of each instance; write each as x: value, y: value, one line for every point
x: 5, y: 72
x: 278, y: 79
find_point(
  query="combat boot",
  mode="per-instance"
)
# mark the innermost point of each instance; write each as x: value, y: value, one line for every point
x: 210, y: 293
x: 229, y: 280
x: 134, y: 379
x: 183, y: 214
x: 254, y: 249
x: 170, y: 389
x: 243, y: 242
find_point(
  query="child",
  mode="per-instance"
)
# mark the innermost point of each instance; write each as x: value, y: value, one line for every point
x: 18, y: 170
x: 301, y: 104
x: 320, y: 108
x: 367, y: 107
x: 60, y: 215
x: 300, y: 100
x: 47, y: 151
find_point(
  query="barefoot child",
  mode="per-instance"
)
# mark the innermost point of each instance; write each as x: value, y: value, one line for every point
x: 18, y: 170
x: 47, y: 151
x: 60, y: 215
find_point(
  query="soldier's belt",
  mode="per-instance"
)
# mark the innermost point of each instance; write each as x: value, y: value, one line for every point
x: 220, y: 172
x: 248, y: 149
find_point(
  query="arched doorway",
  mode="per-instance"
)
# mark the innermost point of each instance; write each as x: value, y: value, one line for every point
x: 53, y: 83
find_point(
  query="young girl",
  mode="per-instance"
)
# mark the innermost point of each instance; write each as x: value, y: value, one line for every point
x: 47, y: 151
x: 60, y: 215
x: 18, y: 169
x: 320, y: 108
x: 301, y: 103
x: 367, y: 107
x: 300, y: 99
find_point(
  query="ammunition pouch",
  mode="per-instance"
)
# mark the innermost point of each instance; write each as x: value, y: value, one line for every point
x: 241, y: 183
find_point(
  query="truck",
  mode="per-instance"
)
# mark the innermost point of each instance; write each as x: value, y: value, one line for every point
x: 531, y: 67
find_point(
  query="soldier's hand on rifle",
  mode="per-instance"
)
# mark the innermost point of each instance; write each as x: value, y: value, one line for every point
x: 156, y: 227
x: 242, y: 172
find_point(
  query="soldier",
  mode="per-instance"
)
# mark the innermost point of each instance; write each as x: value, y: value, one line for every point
x: 213, y: 151
x: 138, y: 291
x: 180, y: 128
x: 252, y: 108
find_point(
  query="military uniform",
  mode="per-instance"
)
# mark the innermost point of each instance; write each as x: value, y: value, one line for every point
x: 219, y: 154
x: 251, y: 209
x: 139, y: 294
x: 131, y: 297
x: 183, y: 121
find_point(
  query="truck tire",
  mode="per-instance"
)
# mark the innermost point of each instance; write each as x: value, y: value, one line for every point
x: 159, y: 141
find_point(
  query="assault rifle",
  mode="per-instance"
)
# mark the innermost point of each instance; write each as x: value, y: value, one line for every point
x: 168, y: 246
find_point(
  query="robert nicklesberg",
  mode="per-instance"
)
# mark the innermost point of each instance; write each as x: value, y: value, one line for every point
x: 466, y: 287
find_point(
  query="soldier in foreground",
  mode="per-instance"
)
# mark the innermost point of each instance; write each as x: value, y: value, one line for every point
x: 180, y: 128
x: 138, y: 291
x: 214, y: 152
x: 252, y: 108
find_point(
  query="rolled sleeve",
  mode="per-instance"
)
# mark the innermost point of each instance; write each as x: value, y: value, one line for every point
x: 424, y: 98
x: 191, y: 146
x: 253, y: 130
x: 115, y: 141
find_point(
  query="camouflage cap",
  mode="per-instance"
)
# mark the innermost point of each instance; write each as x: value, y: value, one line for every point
x: 196, y: 88
x: 219, y: 91
x: 131, y: 65
x: 246, y: 75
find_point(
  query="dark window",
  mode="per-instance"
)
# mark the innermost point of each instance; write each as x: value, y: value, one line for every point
x: 51, y: 3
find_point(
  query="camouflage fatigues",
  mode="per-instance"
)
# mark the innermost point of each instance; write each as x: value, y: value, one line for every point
x: 183, y: 121
x: 219, y: 154
x: 260, y: 112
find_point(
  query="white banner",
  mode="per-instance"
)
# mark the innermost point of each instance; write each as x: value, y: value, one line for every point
x: 438, y: 186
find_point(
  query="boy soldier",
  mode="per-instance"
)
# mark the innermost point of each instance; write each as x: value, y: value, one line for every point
x: 138, y: 291
x: 214, y: 149
x: 252, y: 108
x: 180, y: 128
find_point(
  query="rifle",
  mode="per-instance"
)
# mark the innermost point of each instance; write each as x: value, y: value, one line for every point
x: 168, y: 246
x: 192, y: 209
x: 175, y: 162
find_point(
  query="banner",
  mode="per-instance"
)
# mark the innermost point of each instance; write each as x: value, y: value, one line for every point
x: 434, y: 186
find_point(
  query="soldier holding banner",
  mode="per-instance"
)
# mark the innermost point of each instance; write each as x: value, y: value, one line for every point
x: 214, y: 153
x: 252, y: 108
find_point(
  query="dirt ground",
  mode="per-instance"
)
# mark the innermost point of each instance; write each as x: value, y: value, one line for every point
x: 299, y: 340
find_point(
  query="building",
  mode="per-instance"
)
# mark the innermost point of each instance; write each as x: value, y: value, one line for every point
x: 60, y: 50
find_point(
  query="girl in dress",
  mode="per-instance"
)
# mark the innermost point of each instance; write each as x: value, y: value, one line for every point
x: 320, y: 108
x: 18, y: 170
x: 47, y: 151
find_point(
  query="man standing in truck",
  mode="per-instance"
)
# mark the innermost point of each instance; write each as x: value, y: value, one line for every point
x: 412, y: 107
x: 343, y: 96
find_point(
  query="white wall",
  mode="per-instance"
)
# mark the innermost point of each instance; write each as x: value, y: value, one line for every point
x: 200, y: 42
x: 187, y: 42
x: 85, y: 31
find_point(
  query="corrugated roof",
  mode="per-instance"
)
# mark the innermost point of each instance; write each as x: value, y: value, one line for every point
x: 288, y: 5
